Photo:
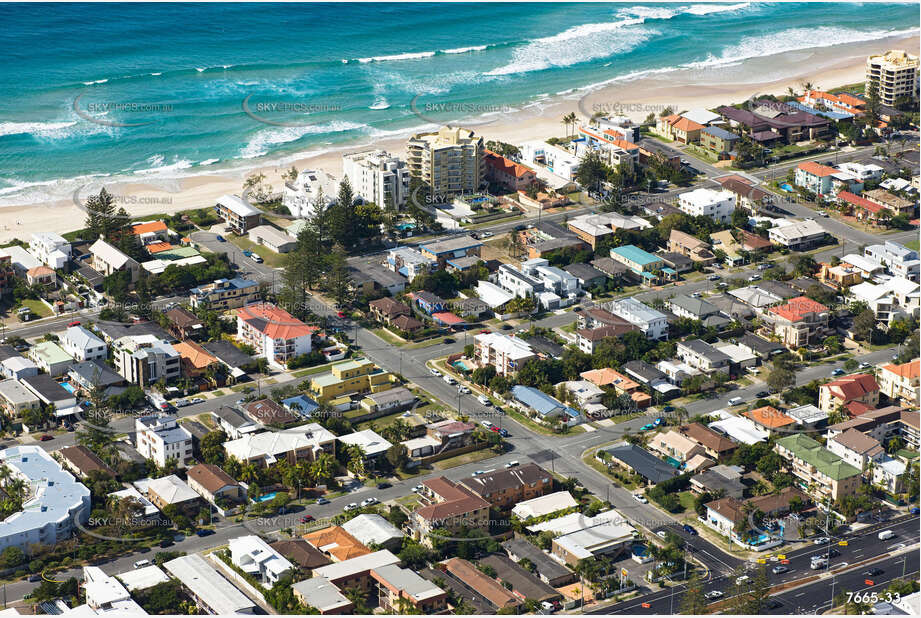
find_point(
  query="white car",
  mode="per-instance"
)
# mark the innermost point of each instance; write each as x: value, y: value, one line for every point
x: 369, y: 501
x: 484, y: 400
x: 640, y: 498
x: 714, y: 594
x: 351, y: 506
x: 435, y: 372
x: 741, y: 580
x: 822, y: 540
x: 463, y: 390
x: 449, y: 380
x: 755, y: 277
x: 661, y: 534
x: 417, y: 488
x: 486, y: 234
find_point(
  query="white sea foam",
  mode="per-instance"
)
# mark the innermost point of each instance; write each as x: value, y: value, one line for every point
x: 576, y: 45
x: 98, y: 81
x: 706, y: 9
x: 158, y: 165
x: 464, y: 50
x: 405, y: 56
x: 208, y: 162
x: 156, y: 74
x: 379, y: 103
x: 261, y: 141
x: 39, y: 129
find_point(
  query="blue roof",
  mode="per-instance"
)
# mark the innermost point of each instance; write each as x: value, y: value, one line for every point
x: 305, y: 405
x: 720, y: 133
x: 670, y: 271
x: 635, y: 254
x: 540, y: 402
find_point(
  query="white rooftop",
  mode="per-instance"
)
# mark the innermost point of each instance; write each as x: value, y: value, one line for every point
x: 492, y: 294
x: 371, y: 528
x: 370, y: 442
x: 143, y: 578
x: 132, y: 492
x: 576, y: 521
x: 862, y: 263
x: 544, y: 505
x: 272, y: 444
x: 172, y: 489
x: 218, y: 594
x: 584, y: 543
x: 740, y: 430
x: 513, y: 347
x: 237, y: 205
x: 806, y: 414
x: 318, y: 592
x: 352, y: 566
x: 735, y: 352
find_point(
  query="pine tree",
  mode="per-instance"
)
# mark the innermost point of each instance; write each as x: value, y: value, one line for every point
x: 100, y: 214
x: 694, y: 601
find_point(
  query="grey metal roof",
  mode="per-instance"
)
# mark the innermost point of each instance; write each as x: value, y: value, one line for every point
x: 696, y: 306
x: 642, y: 461
x: 547, y: 567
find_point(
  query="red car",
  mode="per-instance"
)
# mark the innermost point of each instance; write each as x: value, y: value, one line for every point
x: 340, y: 314
x: 46, y: 437
x: 74, y: 323
x: 485, y: 331
x: 306, y: 518
x: 494, y: 428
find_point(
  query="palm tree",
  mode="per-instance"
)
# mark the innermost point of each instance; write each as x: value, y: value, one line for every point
x: 249, y: 472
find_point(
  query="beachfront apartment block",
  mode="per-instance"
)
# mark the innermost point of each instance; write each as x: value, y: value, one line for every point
x: 239, y: 215
x: 50, y: 249
x: 377, y: 176
x: 897, y: 259
x: 653, y: 323
x: 274, y: 333
x: 311, y: 192
x: 506, y: 173
x: 160, y: 438
x: 820, y: 472
x: 449, y: 161
x: 56, y: 502
x: 145, y: 359
x: 718, y: 205
x: 225, y: 294
x: 678, y: 128
x: 894, y: 74
x: 504, y: 352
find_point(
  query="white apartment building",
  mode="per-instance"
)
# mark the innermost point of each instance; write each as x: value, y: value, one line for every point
x: 273, y: 332
x: 50, y: 249
x: 409, y: 262
x: 718, y: 205
x: 518, y: 283
x: 377, y: 176
x: 450, y: 161
x: 159, y: 437
x: 507, y: 354
x: 897, y: 259
x: 865, y: 173
x: 313, y: 190
x: 895, y: 74
x: 653, y: 323
x: 145, y: 359
x: 82, y: 344
x: 557, y: 160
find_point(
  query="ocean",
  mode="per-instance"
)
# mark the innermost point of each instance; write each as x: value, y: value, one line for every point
x: 157, y: 91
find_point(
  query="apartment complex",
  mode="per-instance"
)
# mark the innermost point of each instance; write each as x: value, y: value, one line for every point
x: 273, y: 332
x: 450, y: 161
x: 145, y: 359
x: 160, y: 438
x: 351, y: 377
x: 895, y: 75
x: 237, y: 213
x: 507, y: 354
x: 224, y: 294
x: 377, y: 176
x: 506, y: 488
x: 900, y: 382
x: 800, y: 321
x: 448, y: 506
x: 820, y: 472
x: 718, y: 205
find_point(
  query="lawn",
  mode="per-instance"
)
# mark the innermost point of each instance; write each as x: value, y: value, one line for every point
x: 687, y: 500
x: 275, y: 260
x: 466, y: 458
x: 425, y: 344
x: 589, y: 459
x: 37, y: 307
x: 379, y: 423
x: 914, y: 244
x: 387, y: 336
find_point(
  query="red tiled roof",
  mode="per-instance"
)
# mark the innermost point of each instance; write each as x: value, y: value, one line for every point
x: 797, y: 308
x: 153, y: 226
x: 157, y: 247
x: 274, y: 321
x: 769, y: 417
x: 447, y: 318
x: 508, y: 166
x: 849, y: 388
x: 811, y: 167
x: 686, y: 124
x: 860, y: 202
x: 907, y: 371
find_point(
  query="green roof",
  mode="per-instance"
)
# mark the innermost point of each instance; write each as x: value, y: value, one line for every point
x: 635, y: 254
x: 907, y: 454
x: 813, y: 453
x: 51, y: 353
x: 325, y: 380
x: 177, y: 253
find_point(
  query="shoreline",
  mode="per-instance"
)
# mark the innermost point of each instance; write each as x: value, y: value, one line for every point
x: 680, y: 89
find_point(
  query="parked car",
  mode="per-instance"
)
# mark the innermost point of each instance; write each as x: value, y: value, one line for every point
x: 417, y: 488
x: 511, y: 464
x: 35, y: 578
x: 822, y: 540
x: 204, y: 532
x: 640, y: 498
x: 220, y: 238
x: 755, y: 277
x: 483, y: 399
x: 486, y: 424
x: 763, y: 394
x: 166, y: 543
x: 661, y: 534
x: 351, y: 506
x: 322, y: 501
x: 306, y: 518
x: 463, y: 390
x: 648, y: 427
x: 449, y: 379
x: 742, y: 579
x: 690, y: 530
x: 837, y: 372
x: 713, y: 594
x: 434, y: 372
x: 369, y: 501
x: 504, y: 433
x: 74, y: 323
x: 384, y: 485
x: 713, y: 278
x: 46, y: 437
x: 777, y: 570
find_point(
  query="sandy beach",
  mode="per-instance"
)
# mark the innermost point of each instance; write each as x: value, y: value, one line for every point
x: 681, y: 90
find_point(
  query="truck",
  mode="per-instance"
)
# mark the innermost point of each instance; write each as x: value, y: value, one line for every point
x: 885, y: 535
x: 818, y: 562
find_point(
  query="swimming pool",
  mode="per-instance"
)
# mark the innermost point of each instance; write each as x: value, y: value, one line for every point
x: 67, y: 386
x: 786, y: 187
x: 266, y: 497
x: 460, y: 365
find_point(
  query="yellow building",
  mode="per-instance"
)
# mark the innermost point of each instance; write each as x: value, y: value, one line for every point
x: 895, y: 74
x: 352, y: 377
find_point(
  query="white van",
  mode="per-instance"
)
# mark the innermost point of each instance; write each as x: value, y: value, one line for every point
x: 449, y: 379
x: 141, y: 563
x: 818, y: 563
x: 885, y: 535
x: 735, y: 401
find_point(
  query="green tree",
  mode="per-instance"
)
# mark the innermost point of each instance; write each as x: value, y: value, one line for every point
x: 693, y: 601
x: 780, y: 379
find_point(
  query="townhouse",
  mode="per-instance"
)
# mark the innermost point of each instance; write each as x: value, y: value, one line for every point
x: 703, y: 202
x: 621, y: 384
x: 214, y: 485
x: 825, y: 181
x: 900, y: 382
x: 679, y: 128
x: 161, y: 438
x: 506, y: 488
x: 348, y: 378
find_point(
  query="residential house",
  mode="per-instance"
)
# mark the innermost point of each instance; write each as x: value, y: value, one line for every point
x: 840, y: 277
x: 50, y: 357
x: 269, y: 413
x: 675, y: 445
x: 208, y: 588
x: 895, y: 204
x: 729, y: 516
x: 587, y: 276
x: 718, y: 205
x: 455, y: 247
x: 677, y: 262
x: 195, y: 360
x: 548, y: 570
x: 544, y: 407
x: 653, y: 323
x: 215, y: 485
x: 239, y: 216
x: 771, y: 419
x: 748, y: 195
x: 506, y: 488
x: 799, y: 322
x: 645, y: 266
x: 352, y: 377
x: 808, y: 416
x: 107, y: 260
x: 621, y: 384
x: 41, y: 275
x: 637, y: 459
x: 685, y: 306
x: 234, y: 424
x: 274, y: 333
x: 388, y: 401
x: 701, y: 355
x: 296, y: 444
x: 588, y: 338
x: 183, y: 324
x: 759, y: 346
x: 52, y: 394
x: 319, y: 593
x: 82, y: 344
x: 486, y: 587
x: 161, y: 438
x: 258, y: 559
x: 897, y: 259
x: 50, y: 249
x: 690, y: 246
x: 720, y: 141
x: 398, y: 589
x: 592, y: 227
x: 409, y: 262
x: 373, y: 446
x: 820, y: 472
x: 725, y: 479
x: 302, y: 553
x: 428, y: 302
x: 338, y: 544
x: 715, y: 445
x: 797, y: 235
x: 838, y: 393
x: 372, y: 529
x: 172, y: 491
x: 679, y: 128
x: 386, y: 309
x: 83, y: 462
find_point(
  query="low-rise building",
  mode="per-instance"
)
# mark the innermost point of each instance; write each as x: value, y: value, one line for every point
x: 643, y: 265
x: 274, y: 333
x: 819, y: 471
x: 239, y: 215
x: 160, y: 438
x: 146, y: 359
x: 207, y: 587
x: 83, y: 462
x: 675, y: 445
x: 719, y: 479
x: 718, y: 205
x: 487, y: 587
x: 225, y: 294
x: 336, y: 543
x: 504, y: 488
x: 233, y: 423
x: 701, y: 355
x: 690, y: 246
x: 319, y: 593
x: 637, y: 459
x: 800, y: 321
x: 654, y: 324
x: 214, y: 485
x: 770, y: 419
x: 353, y: 377
x: 255, y: 557
x: 107, y: 260
x: 448, y: 506
x: 896, y: 258
x: 900, y: 382
x: 82, y: 344
x: 50, y: 357
x: 796, y: 235
x: 506, y: 353
x: 173, y: 491
x: 455, y: 247
x: 16, y: 398
x: 541, y: 405
x: 372, y: 529
x: 299, y: 443
x: 547, y: 569
x: 837, y: 394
